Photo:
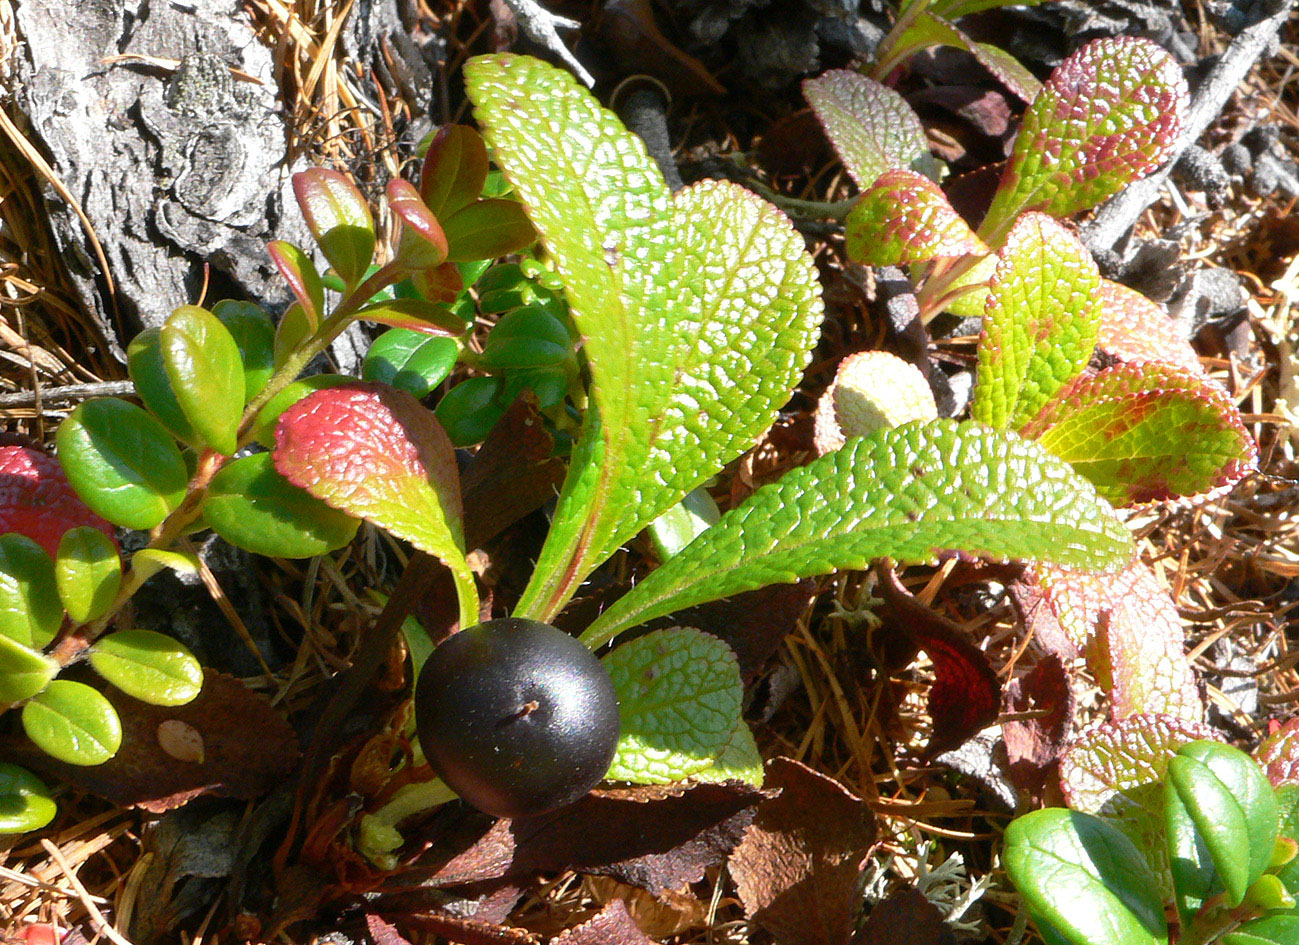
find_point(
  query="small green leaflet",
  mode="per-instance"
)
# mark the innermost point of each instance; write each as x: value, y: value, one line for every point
x: 25, y: 802
x: 1040, y: 324
x: 73, y: 723
x: 88, y: 572
x: 905, y: 218
x: 30, y: 612
x: 206, y: 374
x: 679, y: 695
x: 23, y: 671
x: 904, y: 493
x: 150, y: 666
x: 1109, y: 115
x: 871, y: 126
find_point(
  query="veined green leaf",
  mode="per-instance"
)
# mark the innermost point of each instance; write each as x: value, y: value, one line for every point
x: 73, y: 723
x: 30, y: 612
x: 1040, y: 325
x: 150, y: 666
x: 206, y: 374
x: 679, y: 695
x: 88, y: 572
x: 737, y: 760
x: 905, y: 218
x: 23, y: 671
x: 905, y: 494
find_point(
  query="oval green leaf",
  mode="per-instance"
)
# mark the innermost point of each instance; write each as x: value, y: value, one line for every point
x: 25, y: 801
x: 122, y: 462
x: 150, y: 666
x: 206, y: 374
x: 30, y: 612
x: 88, y: 571
x: 149, y: 374
x: 254, y: 335
x: 23, y: 671
x: 338, y: 218
x: 412, y: 361
x: 253, y: 507
x: 73, y: 723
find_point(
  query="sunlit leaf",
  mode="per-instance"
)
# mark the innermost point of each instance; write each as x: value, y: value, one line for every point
x: 36, y: 499
x: 25, y: 802
x: 304, y: 281
x: 150, y: 666
x: 422, y: 244
x: 410, y: 360
x: 488, y: 229
x: 254, y: 335
x: 455, y: 168
x: 206, y: 375
x: 30, y: 612
x: 338, y: 218
x: 73, y: 723
x: 88, y: 572
x: 23, y: 671
x: 905, y: 218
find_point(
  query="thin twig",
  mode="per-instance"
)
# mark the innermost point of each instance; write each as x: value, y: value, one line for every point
x: 68, y: 393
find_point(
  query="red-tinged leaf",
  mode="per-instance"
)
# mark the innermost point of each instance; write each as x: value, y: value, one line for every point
x: 1148, y: 433
x: 1033, y: 746
x: 455, y: 168
x: 300, y: 273
x: 1129, y: 626
x: 338, y: 218
x: 1040, y: 322
x: 905, y: 218
x: 37, y: 501
x: 383, y: 933
x: 929, y: 29
x: 966, y: 694
x: 1116, y: 770
x: 487, y: 229
x: 431, y: 318
x: 441, y: 284
x: 372, y: 451
x: 612, y: 925
x: 1107, y: 116
x: 906, y: 916
x: 1279, y: 754
x: 798, y: 866
x: 871, y: 127
x: 1135, y: 329
x: 422, y: 244
x: 172, y: 754
x: 657, y: 837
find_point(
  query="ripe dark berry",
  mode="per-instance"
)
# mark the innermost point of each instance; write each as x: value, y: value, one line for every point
x: 517, y: 717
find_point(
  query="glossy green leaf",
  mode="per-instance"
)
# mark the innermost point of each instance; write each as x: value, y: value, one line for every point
x: 470, y: 410
x: 1040, y: 325
x: 147, y: 562
x: 488, y: 229
x: 904, y: 494
x: 304, y: 281
x: 529, y: 337
x: 1219, y: 799
x: 254, y: 335
x: 23, y: 671
x: 1147, y: 433
x: 871, y: 126
x: 679, y: 695
x: 421, y: 244
x: 431, y: 318
x: 375, y: 453
x: 253, y: 507
x: 1266, y: 930
x: 25, y: 801
x: 1108, y: 115
x: 293, y: 329
x: 905, y: 218
x: 149, y: 374
x: 264, y: 426
x: 206, y: 374
x: 73, y: 723
x: 455, y: 168
x: 683, y: 523
x: 1084, y: 878
x: 150, y: 666
x: 338, y: 218
x: 88, y: 572
x: 30, y: 612
x: 410, y: 360
x: 1268, y: 894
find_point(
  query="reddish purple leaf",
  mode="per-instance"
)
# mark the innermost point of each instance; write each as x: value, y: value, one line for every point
x: 383, y: 933
x: 1135, y: 329
x: 1279, y: 754
x: 422, y: 244
x: 37, y: 501
x: 798, y: 867
x: 905, y: 218
x: 1108, y: 115
x: 1033, y: 746
x: 1148, y: 433
x: 455, y: 169
x: 300, y: 273
x: 338, y: 218
x: 1129, y: 627
x: 612, y: 925
x: 420, y: 315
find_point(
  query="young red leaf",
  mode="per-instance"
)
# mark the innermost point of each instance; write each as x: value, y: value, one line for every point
x: 373, y: 452
x: 871, y: 126
x: 612, y: 925
x: 338, y: 218
x: 1279, y: 754
x: 431, y: 318
x: 300, y: 273
x: 1129, y: 625
x: 1148, y: 433
x: 441, y: 284
x: 1034, y: 745
x: 422, y: 244
x: 1135, y: 329
x: 905, y: 218
x: 455, y: 168
x: 487, y: 229
x: 36, y: 499
x: 1040, y: 321
x: 1108, y: 115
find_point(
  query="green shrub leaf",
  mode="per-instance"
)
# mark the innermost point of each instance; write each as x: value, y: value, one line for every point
x: 122, y: 462
x: 1107, y: 116
x: 737, y: 760
x: 1083, y: 878
x: 23, y: 671
x: 871, y: 126
x: 454, y: 171
x: 338, y: 218
x: 88, y: 571
x: 150, y: 666
x: 679, y: 695
x: 1040, y: 325
x: 905, y: 218
x: 206, y: 374
x: 412, y: 361
x: 25, y: 802
x: 488, y: 229
x: 253, y: 507
x: 254, y: 335
x: 1147, y: 433
x: 1265, y: 930
x: 30, y: 612
x: 73, y: 723
x: 300, y: 273
x: 149, y: 374
x: 905, y: 494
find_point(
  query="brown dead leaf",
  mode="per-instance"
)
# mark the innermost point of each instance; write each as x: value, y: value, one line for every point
x: 1033, y: 746
x: 905, y: 916
x: 613, y: 925
x: 798, y: 865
